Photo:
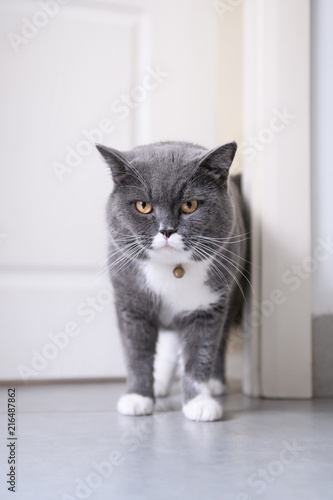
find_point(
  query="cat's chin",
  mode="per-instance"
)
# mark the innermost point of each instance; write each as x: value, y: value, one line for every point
x: 167, y: 250
x: 169, y: 255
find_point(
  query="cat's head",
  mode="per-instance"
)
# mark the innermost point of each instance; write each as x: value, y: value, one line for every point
x: 168, y: 198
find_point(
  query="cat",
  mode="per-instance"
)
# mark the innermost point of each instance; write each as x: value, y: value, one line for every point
x: 177, y: 255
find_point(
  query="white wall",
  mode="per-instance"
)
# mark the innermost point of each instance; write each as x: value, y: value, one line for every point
x: 322, y: 135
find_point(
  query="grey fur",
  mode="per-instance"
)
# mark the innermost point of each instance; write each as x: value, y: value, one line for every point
x: 166, y: 174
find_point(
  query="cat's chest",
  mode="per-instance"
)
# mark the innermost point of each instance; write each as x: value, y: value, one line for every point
x: 180, y: 295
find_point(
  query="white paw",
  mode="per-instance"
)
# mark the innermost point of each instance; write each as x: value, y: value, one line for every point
x: 135, y: 404
x: 216, y: 387
x: 203, y: 408
x: 161, y: 389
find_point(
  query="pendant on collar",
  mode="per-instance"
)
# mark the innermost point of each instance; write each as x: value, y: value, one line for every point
x: 179, y: 271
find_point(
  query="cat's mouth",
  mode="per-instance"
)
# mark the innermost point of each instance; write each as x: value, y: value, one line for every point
x: 169, y: 251
x: 171, y: 244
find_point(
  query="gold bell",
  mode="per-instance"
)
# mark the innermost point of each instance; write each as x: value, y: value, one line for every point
x: 179, y: 271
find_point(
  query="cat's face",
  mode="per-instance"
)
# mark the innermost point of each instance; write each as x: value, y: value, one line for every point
x: 168, y: 198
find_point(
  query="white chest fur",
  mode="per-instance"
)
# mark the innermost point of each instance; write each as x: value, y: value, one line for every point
x: 182, y: 295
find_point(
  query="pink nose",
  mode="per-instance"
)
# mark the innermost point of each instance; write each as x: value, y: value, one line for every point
x: 167, y: 233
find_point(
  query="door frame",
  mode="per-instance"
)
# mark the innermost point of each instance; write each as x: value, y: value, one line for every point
x: 276, y: 184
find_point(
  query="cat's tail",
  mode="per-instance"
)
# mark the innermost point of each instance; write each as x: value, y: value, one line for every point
x: 239, y: 300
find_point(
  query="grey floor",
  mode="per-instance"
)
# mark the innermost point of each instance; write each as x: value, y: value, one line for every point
x: 72, y: 444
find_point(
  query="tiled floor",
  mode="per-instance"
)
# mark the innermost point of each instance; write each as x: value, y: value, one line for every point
x: 73, y: 445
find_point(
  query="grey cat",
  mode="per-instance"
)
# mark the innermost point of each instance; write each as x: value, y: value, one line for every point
x: 177, y: 254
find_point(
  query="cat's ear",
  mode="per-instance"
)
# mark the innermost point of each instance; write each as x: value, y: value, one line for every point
x: 218, y: 161
x: 116, y: 161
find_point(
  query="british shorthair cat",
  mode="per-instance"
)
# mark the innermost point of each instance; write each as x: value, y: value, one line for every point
x: 176, y: 258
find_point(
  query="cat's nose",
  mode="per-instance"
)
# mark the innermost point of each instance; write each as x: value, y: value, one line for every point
x: 167, y: 232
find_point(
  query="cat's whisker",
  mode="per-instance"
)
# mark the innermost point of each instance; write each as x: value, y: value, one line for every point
x: 114, y: 266
x: 218, y: 273
x: 214, y: 252
x: 234, y: 264
x: 126, y: 237
x: 232, y: 239
x: 214, y: 267
x: 220, y: 245
x: 135, y: 253
x: 239, y: 268
x: 239, y: 257
x: 137, y: 175
x: 228, y: 270
x: 136, y: 187
x: 129, y: 241
x: 129, y: 261
x: 229, y: 235
x: 236, y: 238
x: 115, y: 251
x: 125, y: 252
x: 125, y: 240
x: 233, y: 276
x: 236, y: 280
x: 220, y: 251
x: 104, y: 261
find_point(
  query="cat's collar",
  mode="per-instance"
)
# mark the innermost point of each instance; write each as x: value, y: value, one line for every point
x: 178, y: 271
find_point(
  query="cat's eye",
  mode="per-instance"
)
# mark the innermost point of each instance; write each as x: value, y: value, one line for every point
x: 189, y: 207
x: 143, y: 207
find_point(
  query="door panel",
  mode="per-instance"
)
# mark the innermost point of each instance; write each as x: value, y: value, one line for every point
x: 87, y: 71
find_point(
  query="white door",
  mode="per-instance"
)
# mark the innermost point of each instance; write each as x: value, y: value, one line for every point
x: 75, y: 73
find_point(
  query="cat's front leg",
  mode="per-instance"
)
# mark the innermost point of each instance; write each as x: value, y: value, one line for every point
x: 200, y: 335
x: 139, y: 335
x: 165, y: 362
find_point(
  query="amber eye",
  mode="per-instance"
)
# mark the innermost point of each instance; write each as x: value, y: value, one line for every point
x: 143, y: 207
x: 189, y: 207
